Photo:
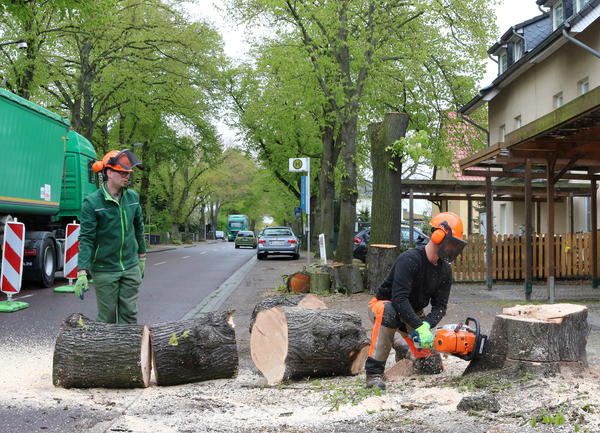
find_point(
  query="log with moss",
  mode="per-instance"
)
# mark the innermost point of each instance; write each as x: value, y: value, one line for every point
x: 202, y: 348
x: 93, y: 354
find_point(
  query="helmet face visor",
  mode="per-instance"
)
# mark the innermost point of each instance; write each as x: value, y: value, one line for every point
x: 125, y: 160
x: 450, y: 248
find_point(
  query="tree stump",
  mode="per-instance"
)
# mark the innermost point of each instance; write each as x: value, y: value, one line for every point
x: 380, y: 259
x: 348, y: 278
x: 538, y: 339
x: 93, y: 354
x: 308, y: 300
x: 194, y: 350
x: 291, y: 342
x: 299, y: 282
x: 320, y: 281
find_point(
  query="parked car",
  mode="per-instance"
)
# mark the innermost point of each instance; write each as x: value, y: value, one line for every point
x: 219, y: 234
x: 277, y: 240
x: 362, y: 238
x: 245, y: 238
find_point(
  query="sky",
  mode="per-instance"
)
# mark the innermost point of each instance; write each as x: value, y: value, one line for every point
x: 508, y: 13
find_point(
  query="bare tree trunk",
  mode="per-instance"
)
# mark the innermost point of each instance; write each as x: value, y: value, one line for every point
x: 348, y: 194
x: 326, y: 214
x: 386, y: 208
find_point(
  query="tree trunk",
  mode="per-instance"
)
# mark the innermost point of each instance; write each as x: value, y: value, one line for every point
x: 538, y: 339
x: 308, y: 300
x: 94, y: 354
x: 291, y: 342
x: 202, y: 348
x: 348, y: 278
x: 348, y: 194
x: 386, y: 207
x: 380, y: 258
x: 327, y: 186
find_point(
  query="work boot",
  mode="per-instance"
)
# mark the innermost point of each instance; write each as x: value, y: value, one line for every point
x: 401, y: 348
x: 375, y: 379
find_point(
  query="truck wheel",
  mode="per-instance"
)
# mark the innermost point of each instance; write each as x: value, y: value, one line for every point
x: 48, y: 262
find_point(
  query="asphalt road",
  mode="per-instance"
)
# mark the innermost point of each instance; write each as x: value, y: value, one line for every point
x: 176, y: 280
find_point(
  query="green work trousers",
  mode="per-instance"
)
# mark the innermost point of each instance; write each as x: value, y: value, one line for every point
x: 117, y: 295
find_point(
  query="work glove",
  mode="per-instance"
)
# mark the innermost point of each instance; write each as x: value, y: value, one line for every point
x: 142, y: 265
x: 425, y: 336
x: 81, y: 285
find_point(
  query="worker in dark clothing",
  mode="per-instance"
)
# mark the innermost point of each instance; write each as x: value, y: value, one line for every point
x: 420, y: 277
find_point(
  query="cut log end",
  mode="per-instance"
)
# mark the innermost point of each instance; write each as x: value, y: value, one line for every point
x: 146, y: 356
x: 270, y: 330
x: 313, y: 302
x: 359, y: 362
x: 552, y: 313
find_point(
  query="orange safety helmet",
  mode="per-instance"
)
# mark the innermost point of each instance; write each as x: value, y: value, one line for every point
x: 443, y: 223
x: 447, y: 231
x: 123, y: 160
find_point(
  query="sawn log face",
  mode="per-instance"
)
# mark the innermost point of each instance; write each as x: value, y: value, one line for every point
x: 307, y: 300
x: 93, y: 354
x: 202, y: 348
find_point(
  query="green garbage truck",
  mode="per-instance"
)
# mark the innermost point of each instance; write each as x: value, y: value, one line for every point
x: 45, y: 173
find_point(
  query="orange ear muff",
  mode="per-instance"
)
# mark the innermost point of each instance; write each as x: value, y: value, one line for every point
x: 97, y: 166
x: 439, y: 233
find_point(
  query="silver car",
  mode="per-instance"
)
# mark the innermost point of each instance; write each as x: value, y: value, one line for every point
x: 277, y: 240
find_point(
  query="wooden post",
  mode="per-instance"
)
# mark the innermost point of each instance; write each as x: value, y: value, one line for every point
x: 489, y: 230
x: 528, y: 249
x: 593, y: 202
x: 571, y: 216
x: 538, y: 217
x: 550, y: 207
x: 469, y: 216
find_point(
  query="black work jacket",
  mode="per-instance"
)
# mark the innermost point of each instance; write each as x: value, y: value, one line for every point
x: 413, y: 283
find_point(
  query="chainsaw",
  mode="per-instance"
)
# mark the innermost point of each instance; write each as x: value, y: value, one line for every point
x: 459, y: 340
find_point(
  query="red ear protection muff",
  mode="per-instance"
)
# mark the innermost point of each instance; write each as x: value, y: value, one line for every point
x: 439, y: 233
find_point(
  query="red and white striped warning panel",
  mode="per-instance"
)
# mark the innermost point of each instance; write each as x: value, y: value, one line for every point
x: 12, y: 257
x: 71, y: 250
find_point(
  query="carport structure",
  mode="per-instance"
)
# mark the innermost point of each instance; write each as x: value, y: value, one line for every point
x: 562, y: 145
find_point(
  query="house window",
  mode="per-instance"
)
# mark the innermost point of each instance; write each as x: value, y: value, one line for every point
x: 579, y: 4
x: 558, y: 100
x: 583, y: 86
x: 557, y: 15
x: 518, y: 49
x: 518, y: 122
x: 502, y: 133
x: 502, y: 63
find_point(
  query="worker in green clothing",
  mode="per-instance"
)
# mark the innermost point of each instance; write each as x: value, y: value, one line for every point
x: 111, y: 241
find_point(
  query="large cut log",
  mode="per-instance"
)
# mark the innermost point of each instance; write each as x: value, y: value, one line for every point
x: 380, y: 258
x: 193, y: 350
x: 539, y: 339
x: 93, y: 354
x: 291, y: 342
x: 299, y: 282
x: 308, y: 300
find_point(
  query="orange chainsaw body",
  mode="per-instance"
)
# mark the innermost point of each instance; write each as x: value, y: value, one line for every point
x: 454, y: 342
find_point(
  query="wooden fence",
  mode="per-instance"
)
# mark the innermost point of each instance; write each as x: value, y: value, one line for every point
x: 573, y: 254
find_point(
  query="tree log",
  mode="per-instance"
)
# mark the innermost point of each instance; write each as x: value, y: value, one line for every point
x: 291, y: 342
x: 380, y: 259
x: 308, y: 300
x: 93, y: 354
x: 539, y: 339
x: 193, y: 350
x: 299, y: 282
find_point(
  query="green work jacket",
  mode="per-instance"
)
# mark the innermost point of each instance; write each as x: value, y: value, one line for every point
x: 112, y: 232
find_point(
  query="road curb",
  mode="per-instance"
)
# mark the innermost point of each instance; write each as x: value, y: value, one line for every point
x: 216, y: 299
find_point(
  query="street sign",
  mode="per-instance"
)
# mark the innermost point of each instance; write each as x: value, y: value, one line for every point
x: 299, y: 164
x: 71, y: 251
x: 303, y: 192
x: 297, y: 212
x: 12, y: 257
x: 322, y: 249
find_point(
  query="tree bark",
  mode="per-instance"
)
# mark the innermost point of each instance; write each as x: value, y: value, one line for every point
x: 308, y: 300
x: 291, y: 342
x: 94, y: 354
x: 202, y: 348
x: 539, y: 339
x: 329, y: 157
x: 349, y: 278
x: 380, y: 259
x: 386, y: 207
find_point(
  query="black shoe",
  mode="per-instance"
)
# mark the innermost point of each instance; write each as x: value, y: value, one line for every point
x: 374, y: 379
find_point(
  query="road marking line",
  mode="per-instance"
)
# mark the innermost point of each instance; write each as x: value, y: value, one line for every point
x: 159, y: 263
x: 23, y: 297
x: 185, y: 257
x: 203, y: 252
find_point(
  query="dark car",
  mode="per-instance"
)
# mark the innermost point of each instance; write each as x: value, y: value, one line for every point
x: 277, y: 240
x: 362, y: 238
